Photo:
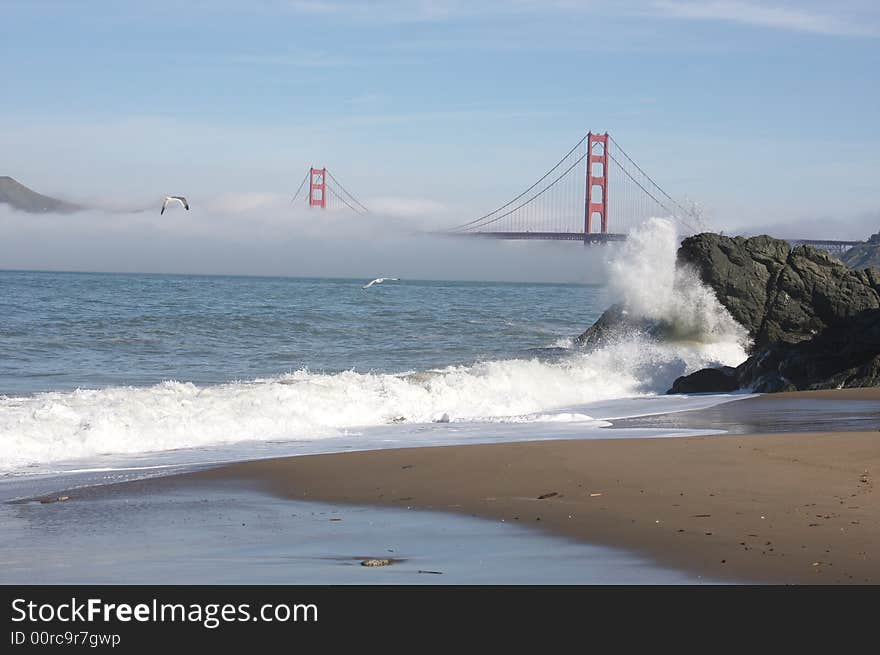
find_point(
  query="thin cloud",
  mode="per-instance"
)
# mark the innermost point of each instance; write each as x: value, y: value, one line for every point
x: 411, y: 208
x: 389, y: 11
x: 432, y: 11
x: 293, y: 60
x: 855, y: 227
x: 272, y: 238
x: 797, y: 19
x: 847, y: 18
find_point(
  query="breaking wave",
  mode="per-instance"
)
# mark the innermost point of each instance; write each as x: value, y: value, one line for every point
x: 305, y: 405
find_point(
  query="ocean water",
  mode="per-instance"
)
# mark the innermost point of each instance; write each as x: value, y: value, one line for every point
x: 104, y: 372
x: 67, y: 331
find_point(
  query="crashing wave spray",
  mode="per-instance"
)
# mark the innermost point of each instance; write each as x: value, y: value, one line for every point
x: 649, y: 285
x: 303, y: 405
x: 307, y: 406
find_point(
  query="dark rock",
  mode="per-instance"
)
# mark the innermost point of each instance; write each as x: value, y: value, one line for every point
x: 815, y: 323
x: 864, y: 255
x: 842, y: 356
x: 779, y: 293
x: 616, y: 323
x: 707, y: 380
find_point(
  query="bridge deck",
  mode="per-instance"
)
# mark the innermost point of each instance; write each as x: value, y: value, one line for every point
x: 837, y: 247
x: 548, y: 236
x: 830, y: 245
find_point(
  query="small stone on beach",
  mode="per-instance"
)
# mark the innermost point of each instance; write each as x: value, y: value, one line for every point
x: 376, y: 562
x: 59, y: 499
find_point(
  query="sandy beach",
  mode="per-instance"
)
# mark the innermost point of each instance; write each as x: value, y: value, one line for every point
x: 786, y: 495
x: 777, y: 508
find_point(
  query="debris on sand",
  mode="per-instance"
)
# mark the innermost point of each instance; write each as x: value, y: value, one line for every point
x: 58, y: 499
x: 548, y: 495
x: 377, y: 562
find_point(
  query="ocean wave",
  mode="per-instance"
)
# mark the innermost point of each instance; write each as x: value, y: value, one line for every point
x: 305, y: 405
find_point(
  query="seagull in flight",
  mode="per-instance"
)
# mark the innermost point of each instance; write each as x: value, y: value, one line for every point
x: 171, y: 199
x: 379, y: 280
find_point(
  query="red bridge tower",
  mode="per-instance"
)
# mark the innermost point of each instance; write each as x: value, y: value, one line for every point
x: 596, y: 205
x: 318, y: 187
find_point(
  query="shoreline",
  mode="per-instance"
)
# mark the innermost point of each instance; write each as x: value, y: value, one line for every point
x: 781, y: 507
x: 793, y: 507
x: 234, y: 534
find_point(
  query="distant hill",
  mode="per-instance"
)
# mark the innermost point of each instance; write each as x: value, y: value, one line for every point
x: 19, y: 197
x: 864, y: 255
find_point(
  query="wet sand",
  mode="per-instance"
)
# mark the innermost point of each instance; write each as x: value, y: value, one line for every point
x: 839, y: 410
x: 229, y: 534
x: 789, y: 507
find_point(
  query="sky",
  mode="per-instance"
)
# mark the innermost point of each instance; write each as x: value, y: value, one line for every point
x: 431, y: 112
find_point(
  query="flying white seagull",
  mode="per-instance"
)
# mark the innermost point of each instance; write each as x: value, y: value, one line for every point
x: 379, y: 280
x: 179, y: 199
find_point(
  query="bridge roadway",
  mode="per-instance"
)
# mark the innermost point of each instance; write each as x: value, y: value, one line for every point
x: 830, y: 245
x: 836, y: 247
x: 596, y: 237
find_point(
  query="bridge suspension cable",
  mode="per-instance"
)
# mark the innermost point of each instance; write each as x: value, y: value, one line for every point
x: 353, y: 200
x: 325, y: 191
x: 594, y: 193
x: 684, y: 210
x: 649, y: 194
x: 537, y: 195
x: 474, y: 222
x: 333, y: 194
x: 301, y: 185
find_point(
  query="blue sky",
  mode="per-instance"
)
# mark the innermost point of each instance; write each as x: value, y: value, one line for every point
x: 766, y: 112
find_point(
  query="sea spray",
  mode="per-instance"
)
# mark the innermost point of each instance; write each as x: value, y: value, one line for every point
x: 647, y: 282
x: 308, y: 406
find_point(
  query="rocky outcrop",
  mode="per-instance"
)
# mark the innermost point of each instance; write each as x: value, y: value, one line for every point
x: 842, y: 356
x: 779, y: 293
x: 616, y: 323
x: 707, y: 380
x: 19, y: 197
x: 815, y: 323
x: 864, y: 255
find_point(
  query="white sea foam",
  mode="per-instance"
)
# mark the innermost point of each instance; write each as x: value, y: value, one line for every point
x: 66, y: 425
x: 58, y: 426
x: 645, y: 279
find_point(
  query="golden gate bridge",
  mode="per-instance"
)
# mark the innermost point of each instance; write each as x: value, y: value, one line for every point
x: 326, y: 192
x: 596, y: 193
